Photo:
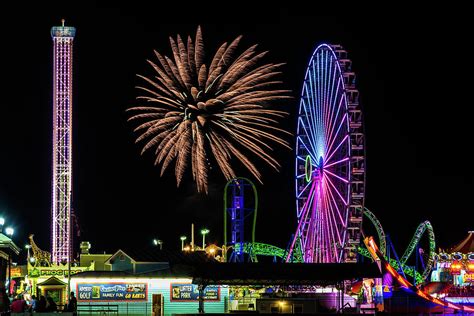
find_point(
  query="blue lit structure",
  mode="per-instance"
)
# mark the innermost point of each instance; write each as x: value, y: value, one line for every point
x: 238, y: 212
x: 330, y: 161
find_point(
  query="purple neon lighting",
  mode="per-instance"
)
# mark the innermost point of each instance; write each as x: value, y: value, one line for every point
x: 323, y: 134
x: 62, y: 143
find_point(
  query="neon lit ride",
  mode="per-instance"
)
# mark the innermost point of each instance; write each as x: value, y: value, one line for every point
x: 240, y: 191
x: 377, y: 255
x: 63, y: 37
x: 330, y: 176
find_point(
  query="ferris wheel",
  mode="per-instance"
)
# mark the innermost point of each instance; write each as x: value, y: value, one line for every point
x: 330, y: 175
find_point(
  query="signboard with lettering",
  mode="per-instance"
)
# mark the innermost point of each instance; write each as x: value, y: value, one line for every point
x: 190, y: 292
x: 102, y: 292
x: 17, y: 272
x: 48, y: 271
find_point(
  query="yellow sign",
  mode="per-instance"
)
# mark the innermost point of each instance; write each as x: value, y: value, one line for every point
x: 52, y: 271
x: 16, y: 272
x: 468, y: 277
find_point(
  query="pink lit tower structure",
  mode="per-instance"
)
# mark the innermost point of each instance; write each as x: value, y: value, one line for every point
x: 61, y: 237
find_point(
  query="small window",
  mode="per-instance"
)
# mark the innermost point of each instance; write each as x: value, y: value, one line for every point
x: 122, y: 258
x: 275, y: 309
x: 298, y: 309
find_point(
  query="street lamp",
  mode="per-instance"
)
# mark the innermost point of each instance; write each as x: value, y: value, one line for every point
x: 9, y: 232
x: 157, y: 242
x: 183, y: 238
x: 204, y: 232
x: 27, y: 247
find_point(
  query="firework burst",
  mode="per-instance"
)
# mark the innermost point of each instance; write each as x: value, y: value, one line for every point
x: 196, y: 111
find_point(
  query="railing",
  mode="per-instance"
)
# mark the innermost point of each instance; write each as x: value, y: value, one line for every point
x: 97, y: 308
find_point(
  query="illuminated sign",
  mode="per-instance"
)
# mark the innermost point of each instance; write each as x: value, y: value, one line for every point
x: 16, y: 272
x: 46, y: 272
x: 112, y: 292
x: 190, y: 292
x: 468, y: 277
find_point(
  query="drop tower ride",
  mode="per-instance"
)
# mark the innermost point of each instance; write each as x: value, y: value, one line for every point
x: 63, y: 37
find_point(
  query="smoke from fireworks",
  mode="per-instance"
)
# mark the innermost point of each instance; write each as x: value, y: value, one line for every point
x: 196, y: 111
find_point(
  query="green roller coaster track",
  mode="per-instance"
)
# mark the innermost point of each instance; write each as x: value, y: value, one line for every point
x: 255, y: 249
x: 410, y: 271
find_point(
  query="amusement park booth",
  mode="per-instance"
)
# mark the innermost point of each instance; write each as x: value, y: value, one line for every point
x: 161, y: 282
x: 294, y: 287
x: 7, y: 250
x: 51, y: 280
x: 147, y: 282
x: 455, y: 267
x: 48, y: 279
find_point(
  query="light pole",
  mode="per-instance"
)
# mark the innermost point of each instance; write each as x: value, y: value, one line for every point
x: 27, y: 247
x: 183, y: 238
x: 159, y: 242
x: 204, y: 232
x: 9, y: 232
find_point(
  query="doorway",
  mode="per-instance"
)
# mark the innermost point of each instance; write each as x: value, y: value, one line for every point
x: 157, y: 305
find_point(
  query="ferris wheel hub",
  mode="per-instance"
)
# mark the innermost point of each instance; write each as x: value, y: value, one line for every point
x: 320, y: 164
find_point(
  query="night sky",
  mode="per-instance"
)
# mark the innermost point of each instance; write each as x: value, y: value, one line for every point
x: 414, y: 73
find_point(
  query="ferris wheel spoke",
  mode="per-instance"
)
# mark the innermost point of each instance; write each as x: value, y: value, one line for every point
x: 315, y: 93
x: 323, y: 88
x: 336, y: 176
x: 322, y: 92
x: 336, y: 162
x: 334, y: 225
x: 335, y: 112
x: 327, y: 223
x: 335, y: 211
x: 308, y: 200
x: 333, y: 131
x: 327, y: 99
x: 310, y: 153
x: 332, y: 94
x: 336, y: 190
x: 304, y: 189
x: 309, y: 126
x: 313, y: 105
x: 303, y: 223
x: 309, y: 136
x: 329, y: 233
x: 328, y: 159
x: 307, y: 107
x: 335, y: 207
x: 333, y: 135
x: 319, y: 98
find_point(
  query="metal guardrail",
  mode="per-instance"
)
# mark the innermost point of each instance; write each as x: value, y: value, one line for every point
x: 97, y: 308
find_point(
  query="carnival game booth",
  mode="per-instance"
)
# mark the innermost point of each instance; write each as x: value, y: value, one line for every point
x: 454, y: 267
x: 45, y: 278
x: 51, y: 280
x: 147, y: 282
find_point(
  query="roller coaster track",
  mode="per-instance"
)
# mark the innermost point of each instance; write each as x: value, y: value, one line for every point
x: 422, y: 228
x: 376, y: 254
x: 260, y: 249
x: 425, y: 226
